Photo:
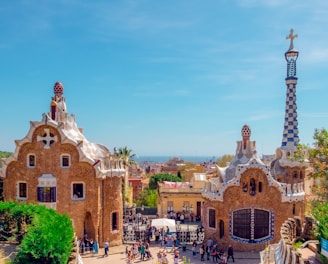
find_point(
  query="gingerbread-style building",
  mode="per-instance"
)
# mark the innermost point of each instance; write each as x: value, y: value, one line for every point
x: 248, y: 203
x: 56, y: 166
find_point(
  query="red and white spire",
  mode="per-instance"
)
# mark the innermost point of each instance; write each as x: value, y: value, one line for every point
x: 58, y: 104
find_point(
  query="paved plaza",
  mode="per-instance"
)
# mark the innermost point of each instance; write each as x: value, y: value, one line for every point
x: 117, y: 256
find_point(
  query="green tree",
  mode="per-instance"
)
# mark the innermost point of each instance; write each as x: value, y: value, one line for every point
x: 320, y: 213
x: 47, y: 235
x: 127, y: 156
x: 4, y: 154
x: 317, y: 156
x: 148, y: 198
x: 49, y: 240
x: 160, y: 177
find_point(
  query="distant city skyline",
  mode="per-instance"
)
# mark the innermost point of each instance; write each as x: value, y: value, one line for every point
x: 173, y: 79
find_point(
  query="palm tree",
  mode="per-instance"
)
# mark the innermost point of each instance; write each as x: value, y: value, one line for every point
x: 126, y: 155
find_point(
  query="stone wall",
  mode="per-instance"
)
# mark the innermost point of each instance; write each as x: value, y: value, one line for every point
x: 291, y: 231
x: 92, y: 215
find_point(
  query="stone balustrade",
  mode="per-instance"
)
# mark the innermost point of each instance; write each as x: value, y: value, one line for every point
x: 292, y: 192
x: 285, y: 253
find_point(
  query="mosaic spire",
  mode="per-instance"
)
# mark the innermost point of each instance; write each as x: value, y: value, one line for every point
x: 290, y: 135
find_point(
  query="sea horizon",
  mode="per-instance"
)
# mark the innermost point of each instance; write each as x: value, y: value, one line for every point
x: 165, y: 158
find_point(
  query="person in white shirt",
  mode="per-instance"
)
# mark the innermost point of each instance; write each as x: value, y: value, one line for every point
x: 223, y: 258
x: 182, y: 218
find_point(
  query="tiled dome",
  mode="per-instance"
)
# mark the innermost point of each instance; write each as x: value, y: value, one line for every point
x: 246, y: 131
x: 58, y: 88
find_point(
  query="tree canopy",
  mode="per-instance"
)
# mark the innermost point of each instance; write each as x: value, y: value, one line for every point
x: 4, y: 154
x: 149, y: 196
x: 45, y: 235
x: 160, y: 177
x: 126, y: 155
x: 317, y: 157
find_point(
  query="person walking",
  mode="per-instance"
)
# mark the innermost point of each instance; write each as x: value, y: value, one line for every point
x: 142, y: 252
x: 223, y: 259
x: 193, y: 248
x: 202, y: 252
x: 230, y: 253
x: 176, y: 257
x: 106, y: 248
x: 165, y: 259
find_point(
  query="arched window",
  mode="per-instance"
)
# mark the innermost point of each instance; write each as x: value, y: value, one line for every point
x: 260, y: 187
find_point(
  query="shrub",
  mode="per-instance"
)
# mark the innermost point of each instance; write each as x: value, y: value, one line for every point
x: 46, y: 236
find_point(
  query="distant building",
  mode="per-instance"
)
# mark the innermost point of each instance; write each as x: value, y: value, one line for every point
x: 136, y: 184
x: 248, y: 203
x: 56, y: 166
x: 182, y: 197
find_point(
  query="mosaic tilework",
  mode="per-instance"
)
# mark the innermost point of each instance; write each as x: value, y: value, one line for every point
x: 290, y: 137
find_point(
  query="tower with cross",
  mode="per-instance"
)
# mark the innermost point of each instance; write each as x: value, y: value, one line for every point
x: 290, y: 137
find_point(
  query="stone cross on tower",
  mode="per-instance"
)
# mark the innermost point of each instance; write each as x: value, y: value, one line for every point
x: 291, y: 37
x: 47, y: 139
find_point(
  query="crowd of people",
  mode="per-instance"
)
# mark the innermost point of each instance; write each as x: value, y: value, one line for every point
x: 136, y: 219
x: 137, y: 250
x: 87, y: 245
x: 211, y: 250
x: 207, y: 251
x: 167, y: 241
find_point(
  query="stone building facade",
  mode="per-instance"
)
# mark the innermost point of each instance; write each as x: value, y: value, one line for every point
x: 182, y: 197
x: 246, y: 205
x: 248, y: 202
x: 56, y: 166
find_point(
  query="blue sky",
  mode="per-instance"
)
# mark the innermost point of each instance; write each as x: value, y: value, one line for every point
x: 164, y: 77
